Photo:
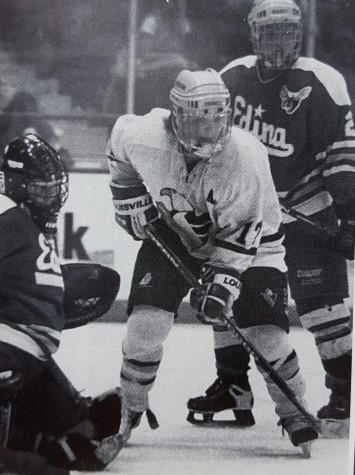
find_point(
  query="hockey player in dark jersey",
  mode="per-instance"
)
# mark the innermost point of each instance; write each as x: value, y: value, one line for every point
x: 40, y: 411
x: 299, y: 108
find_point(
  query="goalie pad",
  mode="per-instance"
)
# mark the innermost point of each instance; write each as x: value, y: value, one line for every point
x: 89, y: 292
x: 25, y: 463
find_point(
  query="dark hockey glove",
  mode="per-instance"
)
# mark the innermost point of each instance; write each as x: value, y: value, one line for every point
x: 221, y: 289
x: 134, y: 208
x: 346, y: 238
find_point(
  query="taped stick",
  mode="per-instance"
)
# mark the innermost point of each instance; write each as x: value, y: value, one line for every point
x: 248, y: 345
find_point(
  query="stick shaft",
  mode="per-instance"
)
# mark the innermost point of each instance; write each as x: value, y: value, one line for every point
x: 248, y: 345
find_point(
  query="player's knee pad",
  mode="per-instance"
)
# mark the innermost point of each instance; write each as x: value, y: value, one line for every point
x: 52, y: 403
x: 147, y: 328
x: 330, y: 325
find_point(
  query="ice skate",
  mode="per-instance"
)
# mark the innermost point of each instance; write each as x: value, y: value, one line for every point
x: 131, y: 419
x: 300, y: 432
x: 221, y: 396
x: 334, y: 418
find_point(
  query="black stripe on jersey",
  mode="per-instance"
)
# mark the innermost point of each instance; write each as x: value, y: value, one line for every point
x: 235, y: 247
x: 272, y: 237
x: 124, y: 193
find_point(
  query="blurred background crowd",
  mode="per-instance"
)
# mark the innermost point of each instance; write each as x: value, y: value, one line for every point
x: 65, y: 66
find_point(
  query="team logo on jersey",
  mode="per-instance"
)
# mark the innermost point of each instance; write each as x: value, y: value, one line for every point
x: 146, y: 279
x: 290, y: 101
x: 269, y: 296
x: 181, y: 216
x: 249, y: 118
x: 48, y: 270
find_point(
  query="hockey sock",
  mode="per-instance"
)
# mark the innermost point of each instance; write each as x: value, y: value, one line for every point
x: 142, y: 348
x: 331, y: 328
x: 232, y: 360
x: 273, y: 344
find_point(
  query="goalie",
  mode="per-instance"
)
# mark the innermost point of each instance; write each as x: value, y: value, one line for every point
x: 40, y: 411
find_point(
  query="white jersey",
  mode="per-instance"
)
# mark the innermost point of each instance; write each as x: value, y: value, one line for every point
x: 225, y: 210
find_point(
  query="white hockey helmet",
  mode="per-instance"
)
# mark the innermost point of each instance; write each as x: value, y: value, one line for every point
x: 276, y: 32
x: 201, y: 112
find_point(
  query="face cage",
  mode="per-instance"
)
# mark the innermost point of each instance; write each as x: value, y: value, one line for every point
x: 277, y: 45
x: 47, y: 197
x: 202, y: 134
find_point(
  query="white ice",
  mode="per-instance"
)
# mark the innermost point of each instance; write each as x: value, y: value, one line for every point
x: 91, y: 357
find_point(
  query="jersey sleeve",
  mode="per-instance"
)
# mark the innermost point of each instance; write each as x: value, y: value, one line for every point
x: 123, y: 174
x: 335, y: 135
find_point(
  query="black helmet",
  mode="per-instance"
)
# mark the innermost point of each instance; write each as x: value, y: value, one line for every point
x: 33, y: 174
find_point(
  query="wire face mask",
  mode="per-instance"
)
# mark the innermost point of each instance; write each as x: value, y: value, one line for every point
x: 201, y: 113
x: 204, y: 135
x: 276, y: 33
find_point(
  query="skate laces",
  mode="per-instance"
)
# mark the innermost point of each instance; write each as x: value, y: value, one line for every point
x: 217, y: 384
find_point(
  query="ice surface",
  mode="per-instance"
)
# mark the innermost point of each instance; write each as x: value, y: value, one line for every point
x: 91, y: 357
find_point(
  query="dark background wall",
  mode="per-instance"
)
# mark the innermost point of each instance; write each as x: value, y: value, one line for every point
x: 82, y: 43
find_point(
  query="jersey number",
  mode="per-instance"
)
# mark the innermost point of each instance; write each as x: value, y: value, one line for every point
x: 256, y: 231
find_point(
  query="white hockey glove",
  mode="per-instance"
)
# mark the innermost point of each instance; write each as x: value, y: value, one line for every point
x: 134, y: 208
x: 222, y: 288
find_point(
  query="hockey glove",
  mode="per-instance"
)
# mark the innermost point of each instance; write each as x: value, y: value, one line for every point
x: 134, y: 208
x: 346, y: 238
x: 222, y: 287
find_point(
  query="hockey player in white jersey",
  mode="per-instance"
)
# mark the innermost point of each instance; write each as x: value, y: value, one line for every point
x: 300, y: 110
x: 208, y: 190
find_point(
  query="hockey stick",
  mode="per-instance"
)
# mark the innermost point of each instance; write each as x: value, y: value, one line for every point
x: 248, y: 345
x: 327, y: 234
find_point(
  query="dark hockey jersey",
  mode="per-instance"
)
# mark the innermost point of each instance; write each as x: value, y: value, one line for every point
x: 31, y: 284
x: 304, y: 118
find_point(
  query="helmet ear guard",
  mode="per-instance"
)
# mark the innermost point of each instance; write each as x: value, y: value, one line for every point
x: 201, y: 112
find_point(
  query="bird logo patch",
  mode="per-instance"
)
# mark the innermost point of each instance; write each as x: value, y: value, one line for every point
x: 269, y: 296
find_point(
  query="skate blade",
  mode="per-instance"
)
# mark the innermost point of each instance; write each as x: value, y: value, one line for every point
x: 306, y: 449
x: 334, y: 428
x: 207, y: 421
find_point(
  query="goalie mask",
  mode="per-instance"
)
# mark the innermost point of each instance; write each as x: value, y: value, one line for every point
x: 32, y: 174
x: 276, y: 32
x: 201, y: 112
